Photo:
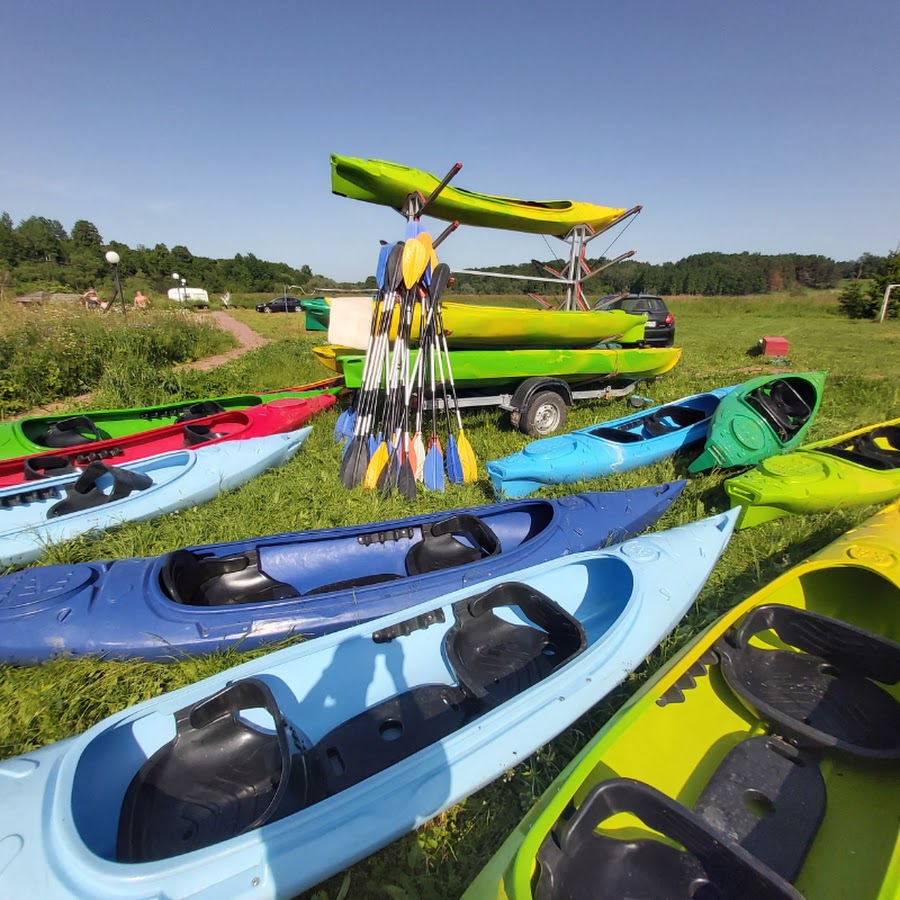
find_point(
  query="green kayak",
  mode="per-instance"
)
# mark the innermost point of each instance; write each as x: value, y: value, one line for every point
x: 487, y: 368
x: 318, y: 313
x: 37, y: 434
x: 759, y: 763
x: 387, y: 183
x: 761, y: 418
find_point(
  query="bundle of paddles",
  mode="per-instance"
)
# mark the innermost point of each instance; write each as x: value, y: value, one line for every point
x: 391, y: 444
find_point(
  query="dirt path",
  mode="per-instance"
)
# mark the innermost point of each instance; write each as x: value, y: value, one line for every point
x: 246, y: 336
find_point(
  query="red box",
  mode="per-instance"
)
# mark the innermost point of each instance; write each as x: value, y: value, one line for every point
x: 774, y: 346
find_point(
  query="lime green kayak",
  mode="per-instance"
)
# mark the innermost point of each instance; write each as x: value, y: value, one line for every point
x: 855, y: 469
x: 486, y: 368
x: 37, y: 434
x: 760, y: 418
x: 387, y: 183
x: 788, y: 794
x: 318, y: 312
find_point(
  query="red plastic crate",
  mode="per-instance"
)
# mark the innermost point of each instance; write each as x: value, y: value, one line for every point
x: 774, y: 346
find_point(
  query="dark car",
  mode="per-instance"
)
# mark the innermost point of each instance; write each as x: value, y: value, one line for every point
x: 279, y: 304
x: 660, y: 328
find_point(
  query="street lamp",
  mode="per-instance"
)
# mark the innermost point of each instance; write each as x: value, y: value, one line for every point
x: 178, y: 283
x: 113, y: 259
x: 184, y: 289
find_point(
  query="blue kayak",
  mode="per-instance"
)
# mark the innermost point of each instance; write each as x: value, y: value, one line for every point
x: 616, y: 446
x: 37, y: 514
x: 271, y: 776
x: 199, y: 599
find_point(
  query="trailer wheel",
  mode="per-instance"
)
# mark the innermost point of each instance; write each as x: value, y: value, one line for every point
x: 544, y: 414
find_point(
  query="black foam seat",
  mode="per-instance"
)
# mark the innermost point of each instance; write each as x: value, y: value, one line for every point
x: 38, y: 467
x: 783, y: 405
x: 672, y: 418
x: 217, y: 778
x: 827, y: 693
x: 617, y: 435
x: 70, y: 432
x: 194, y: 580
x: 199, y: 411
x: 440, y: 547
x: 85, y: 493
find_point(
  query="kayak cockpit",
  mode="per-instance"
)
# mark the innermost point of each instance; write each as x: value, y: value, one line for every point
x: 785, y: 404
x: 661, y: 421
x: 876, y: 449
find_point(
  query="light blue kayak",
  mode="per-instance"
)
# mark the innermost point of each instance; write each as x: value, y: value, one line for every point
x: 269, y: 777
x: 616, y: 446
x: 39, y: 513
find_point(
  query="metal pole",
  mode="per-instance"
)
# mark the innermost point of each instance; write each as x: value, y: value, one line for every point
x: 887, y: 297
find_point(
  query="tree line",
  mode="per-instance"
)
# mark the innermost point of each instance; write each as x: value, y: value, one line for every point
x: 38, y: 254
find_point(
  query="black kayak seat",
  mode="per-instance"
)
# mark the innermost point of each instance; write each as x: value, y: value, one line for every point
x: 672, y: 418
x: 85, y: 493
x: 865, y: 451
x: 441, y: 547
x: 199, y: 411
x: 38, y: 467
x: 617, y: 435
x: 785, y: 404
x: 71, y: 432
x: 220, y: 777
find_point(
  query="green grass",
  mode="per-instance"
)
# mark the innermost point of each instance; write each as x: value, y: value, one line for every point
x: 439, y: 860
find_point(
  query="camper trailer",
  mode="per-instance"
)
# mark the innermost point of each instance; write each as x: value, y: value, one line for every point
x: 189, y: 295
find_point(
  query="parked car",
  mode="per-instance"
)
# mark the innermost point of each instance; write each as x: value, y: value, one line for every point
x: 660, y: 328
x: 279, y: 304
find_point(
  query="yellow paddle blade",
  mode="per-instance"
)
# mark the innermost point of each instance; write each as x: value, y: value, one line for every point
x: 415, y: 260
x: 467, y: 458
x: 376, y: 464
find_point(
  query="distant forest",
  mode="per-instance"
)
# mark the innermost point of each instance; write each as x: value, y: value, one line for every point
x: 38, y: 254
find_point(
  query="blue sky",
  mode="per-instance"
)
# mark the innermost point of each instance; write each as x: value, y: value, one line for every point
x: 765, y: 126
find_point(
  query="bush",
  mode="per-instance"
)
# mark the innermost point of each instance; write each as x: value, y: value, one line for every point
x: 857, y: 302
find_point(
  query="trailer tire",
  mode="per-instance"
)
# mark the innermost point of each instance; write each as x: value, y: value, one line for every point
x: 544, y: 414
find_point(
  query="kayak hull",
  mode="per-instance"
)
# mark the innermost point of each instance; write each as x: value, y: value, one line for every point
x: 143, y: 607
x: 178, y: 480
x: 618, y: 604
x: 497, y: 368
x: 815, y: 479
x: 274, y: 417
x: 24, y: 437
x: 764, y: 416
x: 388, y: 184
x: 688, y: 709
x: 604, y: 448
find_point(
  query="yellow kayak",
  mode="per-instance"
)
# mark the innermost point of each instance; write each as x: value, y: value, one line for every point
x: 387, y: 183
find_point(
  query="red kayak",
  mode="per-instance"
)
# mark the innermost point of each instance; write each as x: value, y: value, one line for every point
x: 274, y: 417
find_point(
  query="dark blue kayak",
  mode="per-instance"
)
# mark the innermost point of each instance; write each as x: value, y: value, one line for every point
x: 200, y: 599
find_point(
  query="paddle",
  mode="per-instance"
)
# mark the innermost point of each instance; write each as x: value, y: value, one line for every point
x: 433, y: 470
x: 356, y: 458
x: 343, y: 429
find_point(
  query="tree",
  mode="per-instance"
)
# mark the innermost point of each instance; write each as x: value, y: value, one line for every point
x: 85, y: 234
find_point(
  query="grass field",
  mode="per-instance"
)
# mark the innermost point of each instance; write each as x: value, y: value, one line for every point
x: 863, y: 361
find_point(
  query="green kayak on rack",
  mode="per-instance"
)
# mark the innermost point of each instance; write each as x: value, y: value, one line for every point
x: 387, y: 183
x: 762, y: 417
x: 38, y: 434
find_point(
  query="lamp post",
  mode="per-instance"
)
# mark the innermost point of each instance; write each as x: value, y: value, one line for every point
x: 177, y: 279
x: 184, y: 290
x: 113, y: 259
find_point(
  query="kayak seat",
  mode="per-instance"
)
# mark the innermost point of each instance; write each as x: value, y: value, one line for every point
x: 495, y: 659
x: 200, y: 434
x: 672, y: 418
x: 193, y: 580
x: 37, y: 467
x: 200, y: 411
x: 85, y: 493
x: 784, y: 406
x: 617, y: 435
x: 71, y: 432
x: 863, y: 449
x: 219, y: 777
x: 826, y: 693
x: 441, y: 547
x: 729, y: 849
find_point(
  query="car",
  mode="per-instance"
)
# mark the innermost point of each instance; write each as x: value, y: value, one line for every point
x: 660, y: 328
x: 279, y: 304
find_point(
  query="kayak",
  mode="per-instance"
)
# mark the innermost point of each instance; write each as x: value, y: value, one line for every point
x: 36, y: 434
x: 100, y: 496
x: 257, y: 421
x: 855, y: 469
x: 787, y: 795
x: 762, y: 417
x: 388, y: 184
x: 266, y: 778
x: 202, y: 599
x: 598, y: 450
x: 483, y: 368
x: 318, y: 313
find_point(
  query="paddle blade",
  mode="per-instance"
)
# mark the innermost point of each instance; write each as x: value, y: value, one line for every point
x: 406, y: 479
x: 454, y: 464
x: 354, y: 463
x: 376, y: 464
x: 417, y: 452
x: 434, y: 468
x: 387, y: 480
x: 467, y: 458
x: 415, y: 259
x: 343, y: 428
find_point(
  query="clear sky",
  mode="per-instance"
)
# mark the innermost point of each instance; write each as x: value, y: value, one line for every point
x: 771, y: 126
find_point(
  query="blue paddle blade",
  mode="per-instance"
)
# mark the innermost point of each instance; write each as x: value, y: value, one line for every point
x: 382, y: 264
x: 434, y: 469
x: 454, y: 463
x: 373, y: 444
x: 343, y: 428
x: 413, y: 228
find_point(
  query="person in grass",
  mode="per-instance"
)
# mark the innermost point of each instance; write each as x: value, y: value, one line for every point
x: 141, y: 300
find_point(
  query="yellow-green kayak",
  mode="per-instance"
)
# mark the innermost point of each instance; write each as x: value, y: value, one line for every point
x: 387, y: 183
x: 775, y: 731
